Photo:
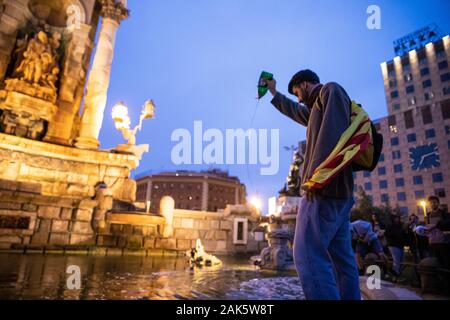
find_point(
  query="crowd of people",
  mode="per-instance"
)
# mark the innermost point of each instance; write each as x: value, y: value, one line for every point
x: 422, y: 239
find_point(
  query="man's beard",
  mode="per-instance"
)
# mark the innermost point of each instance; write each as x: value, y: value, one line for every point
x: 304, y: 94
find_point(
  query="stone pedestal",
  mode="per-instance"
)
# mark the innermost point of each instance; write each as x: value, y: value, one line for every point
x: 55, y: 188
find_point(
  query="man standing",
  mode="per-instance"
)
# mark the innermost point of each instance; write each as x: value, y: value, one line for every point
x: 438, y: 221
x: 323, y: 254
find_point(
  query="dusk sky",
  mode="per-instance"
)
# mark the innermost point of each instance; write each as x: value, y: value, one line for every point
x: 200, y: 60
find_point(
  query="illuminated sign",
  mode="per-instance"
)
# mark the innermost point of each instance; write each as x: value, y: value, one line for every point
x: 417, y: 39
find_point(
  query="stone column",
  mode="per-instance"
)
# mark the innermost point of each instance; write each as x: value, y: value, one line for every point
x: 166, y: 209
x: 112, y: 13
x: 13, y: 15
x: 205, y: 195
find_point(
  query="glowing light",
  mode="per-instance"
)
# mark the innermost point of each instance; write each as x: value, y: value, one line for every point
x: 120, y: 116
x: 423, y: 203
x: 256, y: 202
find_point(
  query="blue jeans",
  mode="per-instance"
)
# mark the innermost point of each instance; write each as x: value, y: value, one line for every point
x: 397, y: 258
x: 323, y: 253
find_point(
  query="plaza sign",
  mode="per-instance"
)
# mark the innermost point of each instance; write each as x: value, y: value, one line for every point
x: 417, y: 39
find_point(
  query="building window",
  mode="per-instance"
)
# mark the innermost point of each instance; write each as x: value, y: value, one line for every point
x: 392, y: 83
x: 426, y: 83
x: 408, y: 76
x: 428, y: 96
x: 381, y: 158
x: 240, y: 231
x: 445, y: 77
x: 423, y: 61
x: 417, y: 180
x: 424, y: 72
x: 440, y: 54
x: 392, y: 121
x: 409, y: 120
x: 398, y: 168
x: 401, y: 196
x: 410, y: 89
x: 446, y: 90
x: 383, y: 184
x: 442, y: 65
x: 394, y: 94
x: 394, y: 141
x: 440, y: 192
x: 419, y: 194
x: 396, y: 106
x: 448, y: 144
x: 412, y: 101
x: 381, y: 171
x: 437, y: 177
x: 384, y: 197
x: 445, y: 109
x: 368, y: 186
x: 366, y: 174
x: 426, y: 115
x: 396, y: 154
x: 430, y: 133
x: 447, y: 129
x: 399, y: 182
x: 411, y: 137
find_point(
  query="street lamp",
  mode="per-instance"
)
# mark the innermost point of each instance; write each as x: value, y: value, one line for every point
x: 122, y: 123
x: 423, y: 203
x: 255, y: 201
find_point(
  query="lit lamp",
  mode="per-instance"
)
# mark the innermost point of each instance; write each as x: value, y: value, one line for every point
x: 256, y: 202
x: 423, y: 203
x: 122, y: 123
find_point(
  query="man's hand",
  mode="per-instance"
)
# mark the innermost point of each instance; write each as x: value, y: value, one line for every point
x: 272, y: 86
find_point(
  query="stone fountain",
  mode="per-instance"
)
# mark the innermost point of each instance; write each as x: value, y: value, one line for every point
x: 278, y: 255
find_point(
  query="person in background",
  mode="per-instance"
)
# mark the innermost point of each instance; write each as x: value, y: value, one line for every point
x: 379, y: 228
x: 366, y: 242
x: 438, y: 221
x: 396, y: 239
x: 418, y: 240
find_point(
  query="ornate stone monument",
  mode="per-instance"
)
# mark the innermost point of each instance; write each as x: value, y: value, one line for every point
x: 56, y: 187
x: 278, y: 255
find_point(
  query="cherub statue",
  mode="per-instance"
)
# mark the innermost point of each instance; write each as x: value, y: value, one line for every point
x: 39, y: 64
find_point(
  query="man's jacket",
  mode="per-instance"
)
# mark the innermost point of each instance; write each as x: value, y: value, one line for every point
x: 326, y: 119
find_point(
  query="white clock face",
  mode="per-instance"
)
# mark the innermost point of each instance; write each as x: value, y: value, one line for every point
x: 424, y: 157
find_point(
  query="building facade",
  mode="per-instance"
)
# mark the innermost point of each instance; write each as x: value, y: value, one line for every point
x: 416, y: 155
x: 206, y: 191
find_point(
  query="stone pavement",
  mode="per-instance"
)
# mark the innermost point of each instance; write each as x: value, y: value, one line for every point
x: 391, y: 291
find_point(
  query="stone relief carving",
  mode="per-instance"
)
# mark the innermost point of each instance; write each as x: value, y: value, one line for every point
x: 37, y: 66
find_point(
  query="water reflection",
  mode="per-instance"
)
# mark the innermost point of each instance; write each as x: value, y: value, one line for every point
x: 132, y: 277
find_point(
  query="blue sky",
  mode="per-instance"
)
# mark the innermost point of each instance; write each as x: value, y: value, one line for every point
x: 200, y: 60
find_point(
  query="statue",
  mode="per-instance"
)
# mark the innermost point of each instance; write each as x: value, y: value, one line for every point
x: 36, y: 70
x: 198, y: 257
x: 292, y: 188
x: 39, y: 65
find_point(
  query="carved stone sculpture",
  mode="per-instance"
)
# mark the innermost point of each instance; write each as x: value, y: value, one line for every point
x: 37, y: 70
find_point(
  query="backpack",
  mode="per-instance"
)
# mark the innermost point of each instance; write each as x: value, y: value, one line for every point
x: 368, y: 160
